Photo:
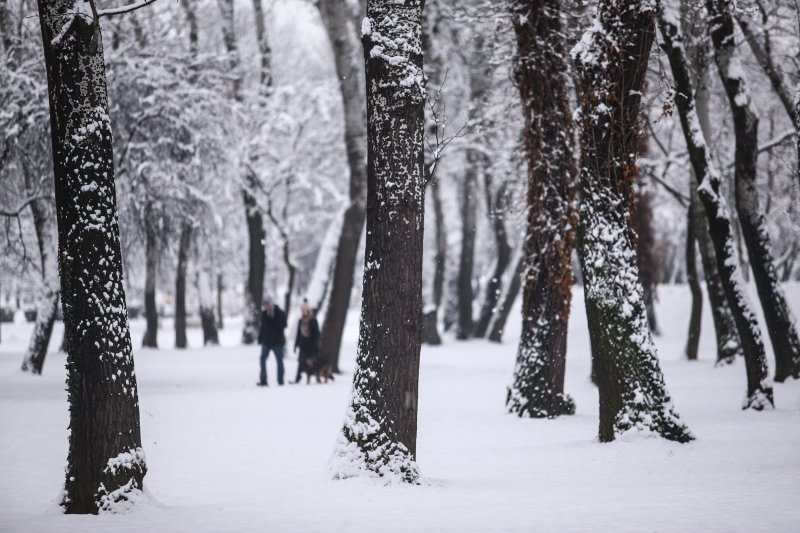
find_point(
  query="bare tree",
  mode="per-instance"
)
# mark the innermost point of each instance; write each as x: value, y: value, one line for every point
x: 780, y: 322
x: 759, y: 392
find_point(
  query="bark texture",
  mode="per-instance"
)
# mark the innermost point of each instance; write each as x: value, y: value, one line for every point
x: 612, y: 57
x: 347, y: 56
x: 380, y: 431
x: 781, y: 325
x: 759, y: 391
x: 537, y: 389
x: 105, y: 465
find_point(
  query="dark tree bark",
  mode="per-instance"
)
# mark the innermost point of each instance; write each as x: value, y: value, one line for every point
x: 207, y: 322
x: 347, y: 56
x: 780, y: 322
x: 430, y: 317
x: 494, y: 288
x: 537, y: 389
x: 380, y: 430
x: 646, y: 256
x: 759, y: 392
x: 466, y: 260
x: 180, y: 286
x: 612, y: 58
x: 105, y: 465
x: 151, y: 253
x: 695, y: 318
x: 498, y: 325
x: 43, y: 215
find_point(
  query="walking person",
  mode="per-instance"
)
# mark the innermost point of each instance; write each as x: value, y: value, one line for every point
x: 271, y: 338
x: 307, y: 341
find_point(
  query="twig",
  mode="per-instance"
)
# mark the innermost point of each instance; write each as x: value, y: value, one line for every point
x: 124, y: 9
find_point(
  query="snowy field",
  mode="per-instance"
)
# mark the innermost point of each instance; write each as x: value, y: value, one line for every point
x: 225, y: 455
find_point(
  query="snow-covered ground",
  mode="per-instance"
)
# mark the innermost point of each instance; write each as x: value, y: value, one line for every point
x: 225, y: 455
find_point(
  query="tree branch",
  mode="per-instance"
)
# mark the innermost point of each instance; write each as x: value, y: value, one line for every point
x: 124, y: 9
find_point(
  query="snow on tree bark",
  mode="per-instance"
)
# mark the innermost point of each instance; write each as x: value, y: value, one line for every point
x: 759, y: 390
x: 347, y: 57
x: 781, y: 325
x: 380, y: 429
x: 612, y: 57
x: 540, y: 73
x: 729, y: 345
x: 106, y: 464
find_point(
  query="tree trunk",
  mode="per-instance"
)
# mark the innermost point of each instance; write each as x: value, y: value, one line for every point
x: 759, y: 392
x: 729, y: 345
x: 151, y: 252
x: 220, y: 289
x: 537, y: 389
x: 467, y: 257
x: 780, y: 322
x: 430, y: 316
x: 204, y: 291
x: 692, y: 277
x: 494, y: 288
x: 33, y: 361
x: 256, y: 235
x: 645, y: 256
x: 612, y: 58
x: 380, y: 430
x: 180, y: 287
x: 105, y: 465
x: 346, y: 55
x: 507, y: 302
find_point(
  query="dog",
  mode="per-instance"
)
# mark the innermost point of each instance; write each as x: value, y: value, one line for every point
x: 318, y: 367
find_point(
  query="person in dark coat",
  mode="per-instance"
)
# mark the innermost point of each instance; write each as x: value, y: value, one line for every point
x: 271, y: 338
x: 307, y: 340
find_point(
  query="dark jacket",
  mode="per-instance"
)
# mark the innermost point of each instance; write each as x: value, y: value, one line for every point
x: 309, y: 346
x: 272, y: 327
